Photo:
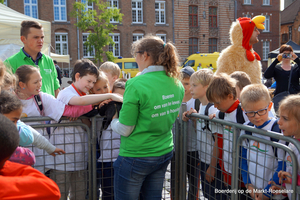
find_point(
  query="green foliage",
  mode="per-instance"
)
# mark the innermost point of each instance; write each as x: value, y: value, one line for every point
x: 97, y: 22
x: 2, y: 1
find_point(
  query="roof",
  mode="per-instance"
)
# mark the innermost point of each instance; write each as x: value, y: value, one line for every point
x: 289, y: 14
x: 296, y: 49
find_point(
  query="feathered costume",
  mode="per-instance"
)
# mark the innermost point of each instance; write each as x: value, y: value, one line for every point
x: 240, y: 56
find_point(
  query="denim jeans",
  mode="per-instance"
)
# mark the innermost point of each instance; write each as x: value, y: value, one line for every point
x: 145, y: 174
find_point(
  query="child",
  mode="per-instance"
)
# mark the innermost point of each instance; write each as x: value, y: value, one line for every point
x: 11, y: 107
x: 289, y: 124
x: 192, y: 168
x: 109, y: 143
x: 242, y: 80
x: 20, y: 181
x: 69, y: 171
x: 211, y: 177
x: 259, y: 162
x: 221, y: 91
x: 112, y: 71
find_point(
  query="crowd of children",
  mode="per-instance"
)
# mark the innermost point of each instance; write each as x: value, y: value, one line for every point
x: 209, y: 150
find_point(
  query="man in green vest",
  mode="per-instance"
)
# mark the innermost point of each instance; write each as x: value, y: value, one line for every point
x: 32, y: 36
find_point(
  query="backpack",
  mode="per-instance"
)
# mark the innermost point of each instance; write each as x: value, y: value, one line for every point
x: 275, y: 128
x: 197, y: 104
x: 239, y: 115
x: 206, y: 113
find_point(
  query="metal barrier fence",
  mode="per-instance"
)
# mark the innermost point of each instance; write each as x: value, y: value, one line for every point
x: 185, y: 164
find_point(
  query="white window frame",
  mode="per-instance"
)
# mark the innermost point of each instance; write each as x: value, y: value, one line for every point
x: 137, y: 36
x: 161, y: 12
x: 267, y: 24
x: 162, y: 36
x: 116, y: 51
x: 266, y: 2
x: 247, y: 15
x: 111, y: 2
x: 5, y: 2
x: 88, y: 5
x: 60, y: 6
x: 266, y: 50
x: 247, y: 2
x: 30, y: 4
x: 136, y: 11
x: 61, y: 43
x: 89, y: 53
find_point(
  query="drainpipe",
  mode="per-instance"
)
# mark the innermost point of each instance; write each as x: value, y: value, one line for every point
x: 78, y: 47
x: 173, y: 21
x: 235, y: 10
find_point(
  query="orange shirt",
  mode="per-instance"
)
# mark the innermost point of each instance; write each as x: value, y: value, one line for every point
x: 21, y: 182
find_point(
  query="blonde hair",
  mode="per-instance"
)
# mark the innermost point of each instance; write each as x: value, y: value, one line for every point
x: 110, y: 67
x: 220, y: 87
x: 101, y: 76
x: 254, y: 93
x: 9, y: 79
x: 119, y: 83
x: 161, y: 53
x: 291, y: 105
x: 242, y: 79
x: 2, y: 72
x: 202, y: 76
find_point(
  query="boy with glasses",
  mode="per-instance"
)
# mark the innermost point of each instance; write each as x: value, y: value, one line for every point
x: 260, y: 162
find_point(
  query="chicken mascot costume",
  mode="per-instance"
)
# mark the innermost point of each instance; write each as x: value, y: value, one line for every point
x: 240, y: 56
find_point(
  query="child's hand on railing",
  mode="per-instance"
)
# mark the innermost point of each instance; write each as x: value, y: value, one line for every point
x: 211, y: 116
x: 187, y: 113
x: 57, y: 151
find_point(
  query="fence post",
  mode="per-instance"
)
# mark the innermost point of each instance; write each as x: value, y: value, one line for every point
x: 235, y: 164
x: 93, y: 176
x: 182, y: 161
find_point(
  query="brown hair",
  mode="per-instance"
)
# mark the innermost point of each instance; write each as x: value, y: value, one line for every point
x: 119, y: 83
x: 26, y: 25
x: 220, y: 87
x: 254, y: 93
x: 23, y: 73
x: 291, y: 105
x: 161, y: 53
x: 183, y: 76
x: 242, y: 79
x: 202, y: 76
x: 84, y: 67
x: 110, y: 67
x: 9, y: 79
x: 285, y: 47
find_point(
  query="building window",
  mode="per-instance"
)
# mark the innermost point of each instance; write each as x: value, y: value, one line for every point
x: 61, y: 43
x: 193, y: 16
x: 137, y: 36
x: 163, y: 37
x: 116, y: 47
x: 284, y: 38
x: 88, y: 5
x: 213, y: 45
x: 137, y: 11
x: 266, y: 2
x: 60, y: 10
x: 5, y: 2
x: 247, y: 15
x: 247, y: 2
x: 267, y: 24
x: 290, y: 32
x: 86, y: 52
x: 213, y: 21
x: 266, y: 49
x: 160, y: 12
x: 193, y: 45
x: 113, y: 4
x: 30, y: 8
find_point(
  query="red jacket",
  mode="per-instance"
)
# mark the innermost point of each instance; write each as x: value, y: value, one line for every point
x: 21, y: 182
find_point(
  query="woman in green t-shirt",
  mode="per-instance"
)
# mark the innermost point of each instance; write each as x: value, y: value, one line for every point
x: 150, y: 107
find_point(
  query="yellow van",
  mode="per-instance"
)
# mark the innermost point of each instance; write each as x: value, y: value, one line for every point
x: 128, y: 66
x: 207, y: 60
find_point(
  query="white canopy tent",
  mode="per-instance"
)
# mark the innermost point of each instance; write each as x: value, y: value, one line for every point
x: 10, y: 42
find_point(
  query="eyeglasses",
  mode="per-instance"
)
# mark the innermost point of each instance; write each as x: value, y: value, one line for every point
x: 259, y: 112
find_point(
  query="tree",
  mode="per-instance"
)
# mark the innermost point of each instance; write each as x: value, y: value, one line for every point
x: 2, y: 1
x: 97, y: 22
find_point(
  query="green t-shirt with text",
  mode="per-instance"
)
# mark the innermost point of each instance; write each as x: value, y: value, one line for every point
x: 48, y: 71
x: 151, y: 103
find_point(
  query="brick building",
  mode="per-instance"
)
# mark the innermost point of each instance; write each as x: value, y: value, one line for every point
x: 290, y: 23
x: 140, y: 18
x: 269, y: 38
x: 202, y: 26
